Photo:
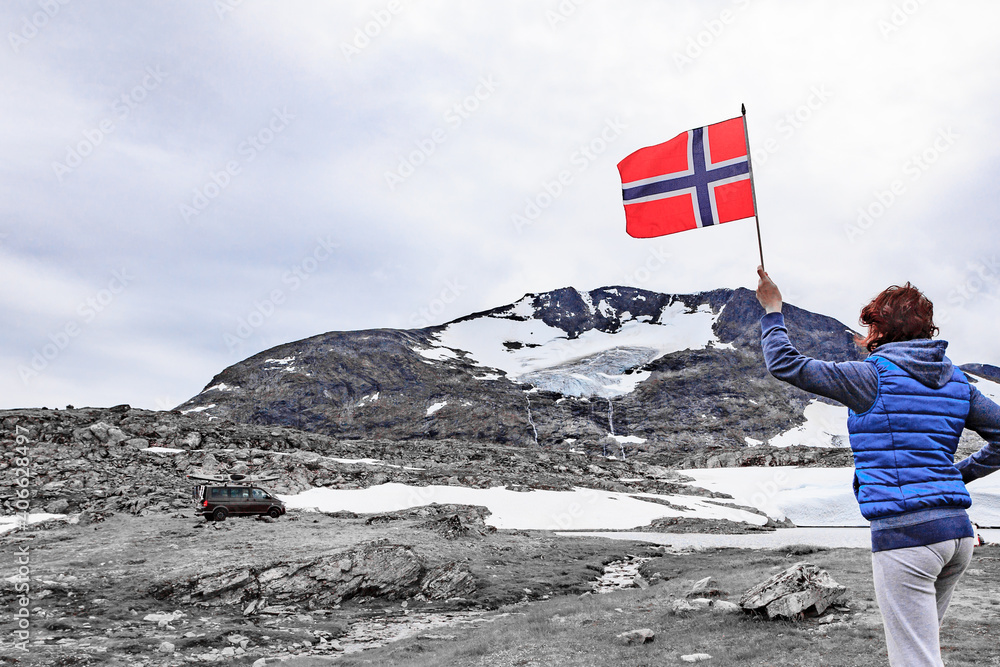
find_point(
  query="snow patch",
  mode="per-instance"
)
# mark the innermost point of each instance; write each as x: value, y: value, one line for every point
x: 162, y: 450
x: 488, y: 376
x: 9, y: 523
x: 222, y: 386
x: 628, y: 439
x: 434, y: 408
x: 825, y: 426
x: 436, y: 353
x: 988, y: 388
x: 371, y: 462
x: 200, y: 408
x: 367, y: 400
x: 282, y: 361
x: 524, y: 308
x: 752, y: 442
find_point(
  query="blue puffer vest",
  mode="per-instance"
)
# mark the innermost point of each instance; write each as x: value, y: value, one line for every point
x: 904, y: 445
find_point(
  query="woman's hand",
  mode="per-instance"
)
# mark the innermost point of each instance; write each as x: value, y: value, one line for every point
x: 767, y: 292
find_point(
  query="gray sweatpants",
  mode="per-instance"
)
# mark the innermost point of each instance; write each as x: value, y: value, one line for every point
x: 913, y: 587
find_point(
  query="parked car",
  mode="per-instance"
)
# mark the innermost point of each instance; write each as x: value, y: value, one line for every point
x: 217, y: 501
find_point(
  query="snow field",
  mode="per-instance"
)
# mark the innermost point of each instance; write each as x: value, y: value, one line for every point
x: 988, y: 388
x: 579, y: 509
x: 825, y: 426
x: 821, y: 496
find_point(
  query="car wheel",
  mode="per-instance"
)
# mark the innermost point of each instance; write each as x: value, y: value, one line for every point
x: 274, y: 512
x: 219, y: 514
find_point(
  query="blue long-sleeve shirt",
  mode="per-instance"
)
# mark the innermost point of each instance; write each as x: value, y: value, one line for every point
x: 855, y: 383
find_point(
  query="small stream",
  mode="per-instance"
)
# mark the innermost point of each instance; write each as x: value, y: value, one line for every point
x: 619, y: 574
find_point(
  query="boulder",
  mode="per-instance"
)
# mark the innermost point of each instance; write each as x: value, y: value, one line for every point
x: 705, y: 588
x: 107, y: 434
x: 59, y: 506
x: 724, y: 607
x: 641, y: 636
x: 802, y: 589
x: 696, y: 657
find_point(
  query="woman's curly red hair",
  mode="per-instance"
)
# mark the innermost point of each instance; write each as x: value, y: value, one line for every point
x: 897, y: 314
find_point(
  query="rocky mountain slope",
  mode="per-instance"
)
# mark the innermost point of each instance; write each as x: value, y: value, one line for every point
x: 614, y: 369
x: 95, y: 462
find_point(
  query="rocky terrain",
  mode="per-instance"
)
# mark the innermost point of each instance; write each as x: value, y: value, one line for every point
x: 130, y: 575
x: 113, y: 460
x: 129, y: 547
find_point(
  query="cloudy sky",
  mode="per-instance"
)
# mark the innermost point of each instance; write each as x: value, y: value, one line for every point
x: 185, y: 184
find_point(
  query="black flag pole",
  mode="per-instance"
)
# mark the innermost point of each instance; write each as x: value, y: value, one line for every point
x: 753, y: 191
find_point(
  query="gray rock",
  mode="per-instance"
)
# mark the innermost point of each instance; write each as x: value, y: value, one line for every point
x: 448, y: 581
x: 59, y: 506
x: 725, y: 607
x: 641, y: 636
x: 696, y: 657
x: 116, y: 435
x: 165, y: 647
x: 681, y: 607
x: 705, y: 588
x: 702, y: 585
x: 107, y: 434
x: 100, y: 431
x: 803, y: 589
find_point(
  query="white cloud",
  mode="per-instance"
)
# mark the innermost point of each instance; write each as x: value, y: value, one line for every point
x: 882, y: 99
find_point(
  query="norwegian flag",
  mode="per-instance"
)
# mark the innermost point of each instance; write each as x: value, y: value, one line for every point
x: 699, y: 178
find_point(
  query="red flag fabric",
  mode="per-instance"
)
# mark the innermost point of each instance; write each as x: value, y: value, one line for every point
x: 699, y: 178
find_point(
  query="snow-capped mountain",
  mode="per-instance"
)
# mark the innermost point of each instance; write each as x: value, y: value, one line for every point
x: 614, y: 367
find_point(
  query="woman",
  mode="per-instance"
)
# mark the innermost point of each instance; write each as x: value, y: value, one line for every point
x: 908, y: 408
